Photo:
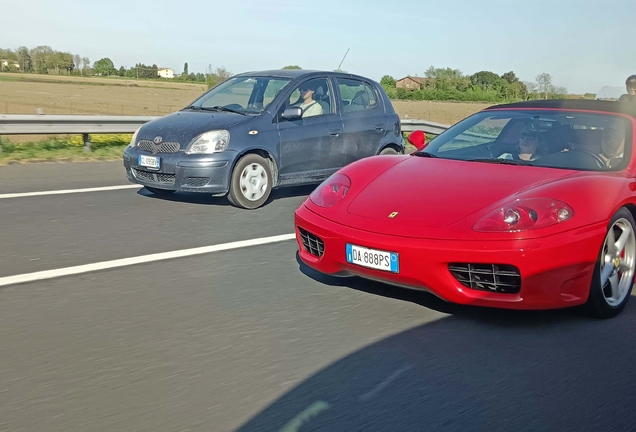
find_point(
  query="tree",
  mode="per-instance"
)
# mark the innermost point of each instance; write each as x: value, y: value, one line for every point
x: 104, y: 66
x: 122, y: 72
x: 387, y: 81
x: 77, y: 61
x: 219, y: 75
x: 185, y: 69
x: 444, y: 73
x: 510, y: 77
x: 85, y: 62
x: 223, y: 73
x: 544, y: 83
x: 292, y: 67
x: 484, y: 79
x: 24, y: 58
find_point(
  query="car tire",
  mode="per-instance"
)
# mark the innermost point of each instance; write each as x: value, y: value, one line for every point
x: 618, y: 267
x: 388, y: 151
x: 251, y: 183
x: 157, y: 191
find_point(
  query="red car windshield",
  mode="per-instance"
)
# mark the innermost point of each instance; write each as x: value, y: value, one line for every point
x: 558, y: 139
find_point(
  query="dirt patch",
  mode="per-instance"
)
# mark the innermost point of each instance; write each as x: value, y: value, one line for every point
x: 70, y: 95
x: 439, y: 112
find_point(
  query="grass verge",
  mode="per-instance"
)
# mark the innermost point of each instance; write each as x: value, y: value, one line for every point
x: 64, y: 149
x: 71, y: 149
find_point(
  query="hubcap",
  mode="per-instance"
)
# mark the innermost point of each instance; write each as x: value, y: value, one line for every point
x: 253, y: 182
x: 617, y: 265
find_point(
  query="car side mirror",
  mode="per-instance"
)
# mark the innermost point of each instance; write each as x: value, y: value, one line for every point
x: 292, y: 113
x: 418, y: 139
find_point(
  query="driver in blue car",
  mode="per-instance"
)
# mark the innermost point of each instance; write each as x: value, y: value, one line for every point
x: 308, y: 105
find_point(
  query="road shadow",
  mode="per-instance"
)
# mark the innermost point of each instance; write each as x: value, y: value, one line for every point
x: 430, y: 301
x: 470, y: 372
x: 208, y: 199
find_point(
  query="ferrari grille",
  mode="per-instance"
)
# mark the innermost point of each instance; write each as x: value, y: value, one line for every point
x: 163, y: 147
x: 497, y: 278
x: 312, y: 243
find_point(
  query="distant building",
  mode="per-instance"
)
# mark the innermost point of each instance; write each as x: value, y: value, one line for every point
x: 165, y: 73
x: 413, y: 83
x: 4, y: 63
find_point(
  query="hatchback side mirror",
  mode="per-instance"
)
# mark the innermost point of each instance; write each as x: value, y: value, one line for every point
x: 292, y: 113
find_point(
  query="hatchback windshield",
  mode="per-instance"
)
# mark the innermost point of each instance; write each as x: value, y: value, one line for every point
x: 245, y: 94
x: 558, y: 139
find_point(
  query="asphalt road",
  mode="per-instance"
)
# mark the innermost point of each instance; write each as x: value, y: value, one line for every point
x: 249, y: 340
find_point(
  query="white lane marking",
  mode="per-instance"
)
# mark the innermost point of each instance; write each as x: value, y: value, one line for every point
x: 124, y: 262
x: 367, y: 396
x: 305, y: 416
x: 68, y: 191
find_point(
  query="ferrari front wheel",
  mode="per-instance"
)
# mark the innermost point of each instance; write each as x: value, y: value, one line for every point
x: 614, y: 272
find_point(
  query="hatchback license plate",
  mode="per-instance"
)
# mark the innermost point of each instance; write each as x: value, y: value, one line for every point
x: 148, y: 161
x: 372, y: 258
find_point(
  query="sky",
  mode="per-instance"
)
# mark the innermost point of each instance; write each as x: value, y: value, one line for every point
x: 583, y: 44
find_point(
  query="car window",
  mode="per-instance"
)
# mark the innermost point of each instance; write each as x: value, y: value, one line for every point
x: 313, y: 96
x: 485, y: 131
x: 559, y: 139
x: 246, y: 94
x: 357, y: 95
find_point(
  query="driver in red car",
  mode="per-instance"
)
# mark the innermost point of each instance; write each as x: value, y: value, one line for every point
x: 612, y: 146
x: 531, y: 144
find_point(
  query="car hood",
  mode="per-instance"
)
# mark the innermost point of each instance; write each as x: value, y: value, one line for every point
x: 183, y: 126
x: 438, y: 193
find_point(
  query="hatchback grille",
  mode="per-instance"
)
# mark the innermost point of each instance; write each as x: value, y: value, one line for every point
x: 162, y: 147
x: 498, y: 278
x: 154, y: 177
x: 197, y: 181
x: 312, y: 243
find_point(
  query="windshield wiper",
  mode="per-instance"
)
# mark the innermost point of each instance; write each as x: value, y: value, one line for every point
x: 424, y: 154
x: 193, y: 107
x: 222, y: 108
x: 501, y: 161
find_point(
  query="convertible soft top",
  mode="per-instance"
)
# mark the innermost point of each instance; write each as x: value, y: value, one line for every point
x: 574, y: 104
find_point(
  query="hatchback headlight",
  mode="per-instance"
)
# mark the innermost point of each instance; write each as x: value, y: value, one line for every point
x: 209, y: 142
x: 133, y: 140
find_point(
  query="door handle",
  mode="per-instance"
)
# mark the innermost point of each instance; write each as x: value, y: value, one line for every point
x: 379, y: 128
x: 335, y: 132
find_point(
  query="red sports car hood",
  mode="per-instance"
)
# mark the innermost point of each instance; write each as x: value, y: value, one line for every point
x: 438, y: 192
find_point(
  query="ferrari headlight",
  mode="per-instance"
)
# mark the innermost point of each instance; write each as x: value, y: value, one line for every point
x: 209, y: 142
x: 133, y: 140
x: 331, y: 191
x: 524, y: 215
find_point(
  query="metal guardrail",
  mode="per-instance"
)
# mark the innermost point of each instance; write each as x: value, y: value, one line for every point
x: 409, y: 125
x: 46, y: 124
x: 11, y: 124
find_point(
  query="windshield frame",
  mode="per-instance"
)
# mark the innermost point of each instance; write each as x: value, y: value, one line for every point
x: 526, y: 113
x: 258, y: 97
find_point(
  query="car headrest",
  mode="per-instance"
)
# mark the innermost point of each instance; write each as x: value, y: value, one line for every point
x: 361, y: 98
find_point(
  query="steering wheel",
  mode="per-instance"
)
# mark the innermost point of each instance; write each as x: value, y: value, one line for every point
x: 599, y: 162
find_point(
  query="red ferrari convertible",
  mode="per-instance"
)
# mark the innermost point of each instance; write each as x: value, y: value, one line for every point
x: 521, y: 206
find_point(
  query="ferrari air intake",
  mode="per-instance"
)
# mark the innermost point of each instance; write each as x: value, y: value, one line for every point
x: 312, y: 243
x: 496, y: 278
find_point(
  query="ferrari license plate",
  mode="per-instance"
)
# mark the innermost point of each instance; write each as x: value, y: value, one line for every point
x: 372, y: 258
x: 148, y: 161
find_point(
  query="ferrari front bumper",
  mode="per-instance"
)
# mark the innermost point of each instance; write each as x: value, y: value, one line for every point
x: 555, y: 272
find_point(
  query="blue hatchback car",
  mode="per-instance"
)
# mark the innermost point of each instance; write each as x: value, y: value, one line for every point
x: 264, y: 130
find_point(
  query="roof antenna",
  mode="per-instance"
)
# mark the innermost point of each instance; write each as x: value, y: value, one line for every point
x: 343, y: 59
